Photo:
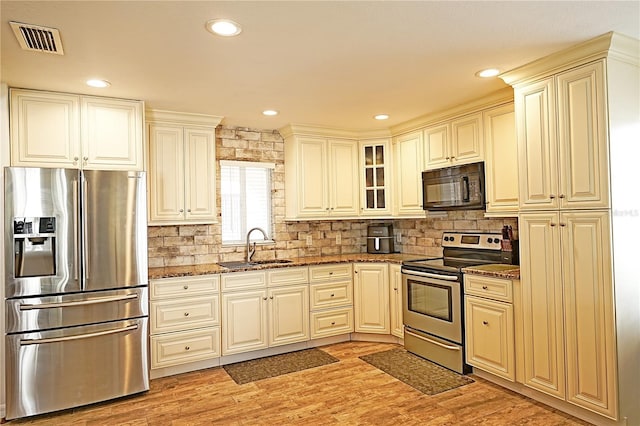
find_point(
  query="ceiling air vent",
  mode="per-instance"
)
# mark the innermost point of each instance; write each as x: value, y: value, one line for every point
x: 37, y: 38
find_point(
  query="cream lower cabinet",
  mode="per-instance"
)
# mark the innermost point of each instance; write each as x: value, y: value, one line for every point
x: 489, y: 325
x: 371, y: 294
x: 331, y: 299
x: 501, y: 161
x: 568, y: 308
x: 395, y: 300
x: 182, y: 172
x: 50, y: 129
x: 185, y: 320
x: 256, y: 317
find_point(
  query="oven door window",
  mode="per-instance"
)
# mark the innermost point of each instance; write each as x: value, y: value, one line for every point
x: 430, y: 299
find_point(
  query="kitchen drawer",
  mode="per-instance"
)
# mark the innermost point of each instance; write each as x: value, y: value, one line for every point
x: 331, y: 322
x: 184, y: 286
x: 332, y: 294
x: 185, y: 314
x: 287, y: 276
x: 182, y: 347
x: 334, y: 271
x: 243, y: 280
x: 489, y: 287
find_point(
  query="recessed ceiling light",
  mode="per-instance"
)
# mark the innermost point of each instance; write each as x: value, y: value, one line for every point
x: 98, y: 83
x: 381, y: 116
x: 223, y: 27
x: 270, y: 112
x: 489, y: 72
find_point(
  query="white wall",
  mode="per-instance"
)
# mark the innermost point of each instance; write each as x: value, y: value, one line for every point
x: 4, y: 161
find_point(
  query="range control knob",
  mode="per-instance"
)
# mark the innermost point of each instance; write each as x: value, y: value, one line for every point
x: 496, y: 240
x: 489, y: 240
x: 446, y: 238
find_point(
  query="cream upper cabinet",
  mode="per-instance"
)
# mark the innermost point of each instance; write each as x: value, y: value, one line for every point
x: 72, y: 131
x: 395, y: 300
x: 459, y: 141
x: 321, y: 177
x: 568, y: 307
x: 501, y: 161
x: 437, y: 146
x: 371, y: 298
x: 182, y: 172
x: 375, y: 179
x: 563, y: 148
x: 408, y: 157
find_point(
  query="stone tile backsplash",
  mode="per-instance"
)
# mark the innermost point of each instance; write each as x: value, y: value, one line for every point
x: 201, y: 244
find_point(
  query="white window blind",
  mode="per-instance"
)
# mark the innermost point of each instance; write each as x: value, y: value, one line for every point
x: 245, y: 191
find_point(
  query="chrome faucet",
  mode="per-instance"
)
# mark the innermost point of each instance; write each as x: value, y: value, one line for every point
x: 252, y: 250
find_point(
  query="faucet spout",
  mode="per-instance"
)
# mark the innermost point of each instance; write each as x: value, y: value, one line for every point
x: 252, y: 249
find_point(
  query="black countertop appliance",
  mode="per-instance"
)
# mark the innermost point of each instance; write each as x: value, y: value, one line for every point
x: 380, y: 238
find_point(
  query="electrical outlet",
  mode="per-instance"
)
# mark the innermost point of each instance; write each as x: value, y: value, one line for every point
x: 338, y: 239
x: 309, y: 240
x: 398, y: 237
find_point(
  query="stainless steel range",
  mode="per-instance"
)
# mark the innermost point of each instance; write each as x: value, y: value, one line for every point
x: 433, y: 296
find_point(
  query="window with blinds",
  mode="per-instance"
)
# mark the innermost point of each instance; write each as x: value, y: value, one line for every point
x: 245, y: 192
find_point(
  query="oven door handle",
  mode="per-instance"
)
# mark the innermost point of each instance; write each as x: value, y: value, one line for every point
x: 430, y: 275
x: 450, y: 347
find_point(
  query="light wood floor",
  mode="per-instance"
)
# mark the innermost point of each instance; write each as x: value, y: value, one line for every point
x: 349, y: 392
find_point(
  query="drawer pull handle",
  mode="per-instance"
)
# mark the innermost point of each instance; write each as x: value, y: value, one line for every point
x: 332, y: 295
x: 186, y: 287
x: 330, y: 273
x: 186, y: 314
x: 186, y: 348
x: 484, y: 287
x: 333, y: 323
x: 485, y: 322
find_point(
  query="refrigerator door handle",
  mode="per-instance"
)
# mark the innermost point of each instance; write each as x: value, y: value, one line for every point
x: 85, y: 244
x: 94, y: 301
x: 27, y: 342
x: 76, y: 237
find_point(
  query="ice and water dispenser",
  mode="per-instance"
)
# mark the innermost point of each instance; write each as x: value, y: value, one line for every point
x: 34, y: 246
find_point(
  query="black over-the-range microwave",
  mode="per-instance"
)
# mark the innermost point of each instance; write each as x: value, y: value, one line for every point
x: 453, y: 188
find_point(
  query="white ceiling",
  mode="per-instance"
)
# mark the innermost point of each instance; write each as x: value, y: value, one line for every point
x: 333, y: 64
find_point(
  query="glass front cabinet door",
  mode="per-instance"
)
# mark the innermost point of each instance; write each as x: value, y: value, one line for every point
x: 375, y: 160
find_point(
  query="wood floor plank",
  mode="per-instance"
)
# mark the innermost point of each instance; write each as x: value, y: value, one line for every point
x: 349, y: 392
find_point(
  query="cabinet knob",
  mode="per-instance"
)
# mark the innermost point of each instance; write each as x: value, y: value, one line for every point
x: 186, y: 348
x: 271, y: 297
x: 181, y: 210
x: 333, y: 323
x: 189, y: 210
x: 552, y: 224
x: 327, y: 208
x: 563, y: 224
x: 561, y: 195
x: 264, y: 298
x: 186, y: 314
x: 75, y: 160
x: 484, y: 287
x: 552, y: 196
x: 186, y: 287
x: 85, y: 158
x: 447, y: 158
x: 453, y: 158
x: 332, y: 295
x: 485, y: 322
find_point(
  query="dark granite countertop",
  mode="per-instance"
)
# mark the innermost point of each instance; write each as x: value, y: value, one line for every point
x: 214, y: 268
x: 498, y: 270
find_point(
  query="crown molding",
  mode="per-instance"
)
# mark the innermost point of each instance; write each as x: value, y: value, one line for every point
x: 314, y: 130
x: 499, y: 97
x: 609, y: 45
x: 182, y: 118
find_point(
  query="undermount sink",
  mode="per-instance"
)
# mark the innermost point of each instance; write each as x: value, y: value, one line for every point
x: 242, y: 264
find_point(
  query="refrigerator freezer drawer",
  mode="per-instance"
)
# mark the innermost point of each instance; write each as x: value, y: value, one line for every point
x: 42, y: 313
x: 59, y: 369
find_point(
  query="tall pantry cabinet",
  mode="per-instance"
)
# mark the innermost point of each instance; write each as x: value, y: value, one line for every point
x: 575, y: 115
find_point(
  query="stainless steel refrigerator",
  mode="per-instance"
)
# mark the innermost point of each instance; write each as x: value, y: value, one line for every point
x: 76, y: 288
